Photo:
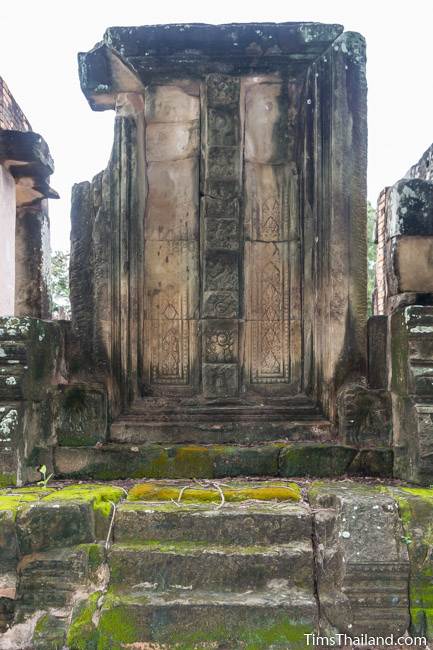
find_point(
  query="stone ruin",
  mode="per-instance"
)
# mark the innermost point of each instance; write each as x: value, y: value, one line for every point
x: 250, y: 446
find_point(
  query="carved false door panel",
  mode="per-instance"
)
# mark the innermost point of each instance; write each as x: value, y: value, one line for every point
x: 272, y: 332
x: 172, y: 239
x: 222, y: 281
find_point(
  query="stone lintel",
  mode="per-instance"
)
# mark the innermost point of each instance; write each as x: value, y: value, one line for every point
x: 26, y: 156
x: 103, y: 74
x: 129, y: 57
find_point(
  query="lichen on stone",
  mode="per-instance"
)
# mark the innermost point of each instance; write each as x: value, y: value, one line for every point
x: 100, y: 496
x: 278, y: 491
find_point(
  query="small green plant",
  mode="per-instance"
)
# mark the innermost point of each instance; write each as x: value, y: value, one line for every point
x: 406, y: 539
x: 45, y: 479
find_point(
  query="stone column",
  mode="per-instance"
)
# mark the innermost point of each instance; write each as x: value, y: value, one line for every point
x: 32, y: 261
x: 7, y: 243
x: 335, y: 219
x: 221, y: 187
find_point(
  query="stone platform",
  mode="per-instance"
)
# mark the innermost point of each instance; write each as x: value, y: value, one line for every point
x: 190, y: 565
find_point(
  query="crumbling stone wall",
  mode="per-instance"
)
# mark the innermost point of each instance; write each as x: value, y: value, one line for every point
x: 404, y: 298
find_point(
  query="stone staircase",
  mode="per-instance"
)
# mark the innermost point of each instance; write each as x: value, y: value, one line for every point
x: 194, y: 438
x: 194, y: 575
x: 245, y: 421
x: 237, y: 565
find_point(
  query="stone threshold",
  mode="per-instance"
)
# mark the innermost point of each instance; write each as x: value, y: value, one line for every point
x: 112, y: 461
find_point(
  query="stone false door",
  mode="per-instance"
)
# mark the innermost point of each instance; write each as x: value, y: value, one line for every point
x: 222, y: 243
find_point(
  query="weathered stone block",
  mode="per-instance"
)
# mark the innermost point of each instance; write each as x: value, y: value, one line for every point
x: 172, y: 201
x: 223, y: 127
x: 373, y: 462
x: 416, y: 510
x: 171, y: 104
x: 260, y: 523
x: 221, y: 272
x: 220, y: 379
x: 221, y: 234
x: 219, y: 568
x: 377, y: 335
x: 80, y: 417
x: 8, y: 538
x: 410, y: 208
x: 45, y: 525
x: 223, y: 162
x: 245, y: 461
x: 217, y: 209
x: 222, y: 90
x: 362, y: 587
x: 315, y: 459
x: 264, y: 124
x: 177, y: 461
x: 364, y: 415
x: 171, y: 141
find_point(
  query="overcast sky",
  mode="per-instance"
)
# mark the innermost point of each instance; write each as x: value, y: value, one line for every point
x: 39, y: 41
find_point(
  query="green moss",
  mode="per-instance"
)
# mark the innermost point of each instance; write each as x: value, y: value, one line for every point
x: 12, y: 499
x: 82, y: 633
x: 416, y: 514
x: 117, y: 625
x: 49, y: 633
x: 315, y: 459
x: 278, y: 491
x: 7, y: 480
x: 100, y: 496
x: 277, y: 633
x: 193, y: 462
x: 423, y: 493
x: 95, y: 555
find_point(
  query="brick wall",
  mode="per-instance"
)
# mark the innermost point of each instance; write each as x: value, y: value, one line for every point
x: 11, y: 116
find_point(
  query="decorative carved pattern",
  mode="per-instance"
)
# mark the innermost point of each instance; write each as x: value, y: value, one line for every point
x: 221, y: 304
x: 222, y: 233
x: 222, y: 90
x: 220, y: 346
x: 171, y: 234
x: 267, y: 313
x: 220, y: 380
x: 270, y: 219
x: 222, y: 273
x: 171, y: 352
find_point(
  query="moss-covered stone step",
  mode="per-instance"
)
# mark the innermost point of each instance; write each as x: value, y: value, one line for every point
x: 248, y: 523
x: 277, y: 618
x: 51, y: 579
x: 39, y: 519
x: 206, y: 491
x: 190, y: 565
x: 156, y: 461
x: 416, y: 512
x: 121, y: 461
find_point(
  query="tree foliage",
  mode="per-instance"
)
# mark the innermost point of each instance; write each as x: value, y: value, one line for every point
x: 371, y: 254
x: 61, y: 307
